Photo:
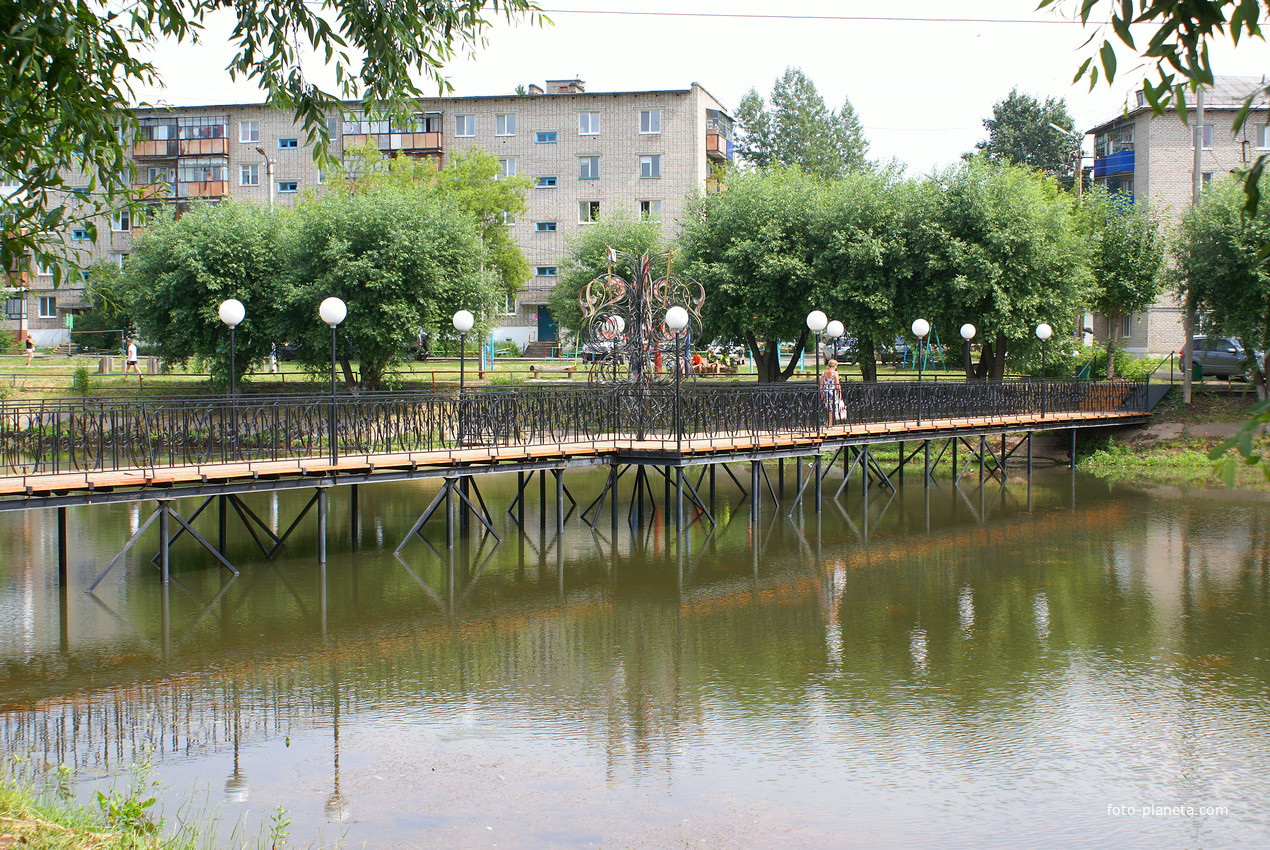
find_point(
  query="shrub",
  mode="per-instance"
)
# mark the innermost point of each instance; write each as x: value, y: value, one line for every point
x: 80, y: 382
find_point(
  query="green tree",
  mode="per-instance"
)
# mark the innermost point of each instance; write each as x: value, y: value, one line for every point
x: 866, y: 268
x: 68, y: 69
x: 1004, y: 251
x: 1219, y: 265
x: 799, y: 129
x: 586, y: 258
x: 109, y: 315
x: 755, y: 248
x: 474, y: 179
x: 1126, y: 260
x: 1019, y: 133
x: 182, y: 269
x: 403, y: 257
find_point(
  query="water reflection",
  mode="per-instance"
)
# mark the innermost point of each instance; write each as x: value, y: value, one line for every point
x: 940, y: 657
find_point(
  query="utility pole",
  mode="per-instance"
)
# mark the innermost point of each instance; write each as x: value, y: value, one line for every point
x: 1197, y: 186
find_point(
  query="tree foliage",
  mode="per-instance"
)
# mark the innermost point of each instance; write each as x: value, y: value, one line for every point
x: 1004, y: 252
x: 1019, y: 133
x: 799, y: 129
x: 1220, y: 268
x: 1126, y: 259
x: 586, y: 258
x: 68, y: 69
x: 182, y: 269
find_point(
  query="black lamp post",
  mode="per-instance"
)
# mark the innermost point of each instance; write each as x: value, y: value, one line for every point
x: 967, y: 333
x: 921, y: 327
x: 816, y: 323
x: 463, y: 321
x: 1043, y: 333
x: 333, y: 311
x: 677, y: 320
x: 232, y: 313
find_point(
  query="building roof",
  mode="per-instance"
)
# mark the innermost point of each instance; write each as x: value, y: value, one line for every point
x: 1224, y: 93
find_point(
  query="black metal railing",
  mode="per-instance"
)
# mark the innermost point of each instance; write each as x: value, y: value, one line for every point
x: 108, y: 434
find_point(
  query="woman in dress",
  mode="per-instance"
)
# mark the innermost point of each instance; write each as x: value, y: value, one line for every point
x: 831, y: 389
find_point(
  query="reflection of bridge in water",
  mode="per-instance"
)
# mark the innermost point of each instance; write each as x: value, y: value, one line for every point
x: 62, y: 453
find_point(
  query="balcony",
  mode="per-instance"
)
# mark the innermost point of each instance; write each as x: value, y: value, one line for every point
x: 718, y: 148
x: 1116, y: 163
x: 160, y: 149
x: 153, y: 191
x: 204, y: 147
x: 204, y: 189
x: 419, y: 142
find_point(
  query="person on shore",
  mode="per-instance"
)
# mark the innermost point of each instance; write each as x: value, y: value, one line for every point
x: 130, y: 362
x: 831, y: 390
x: 30, y: 351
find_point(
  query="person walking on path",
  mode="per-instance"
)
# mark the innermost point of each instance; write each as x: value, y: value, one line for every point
x: 130, y: 362
x: 831, y: 390
x: 30, y: 351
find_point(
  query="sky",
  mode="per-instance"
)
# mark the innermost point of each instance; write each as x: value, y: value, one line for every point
x: 922, y: 74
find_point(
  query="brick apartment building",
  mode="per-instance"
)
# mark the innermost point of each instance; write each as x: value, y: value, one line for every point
x: 1152, y: 158
x: 589, y: 154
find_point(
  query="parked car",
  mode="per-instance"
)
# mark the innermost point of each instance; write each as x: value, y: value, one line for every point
x: 844, y: 349
x: 1223, y: 357
x: 288, y: 350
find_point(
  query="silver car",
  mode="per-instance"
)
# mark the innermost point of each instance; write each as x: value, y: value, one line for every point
x: 1223, y: 357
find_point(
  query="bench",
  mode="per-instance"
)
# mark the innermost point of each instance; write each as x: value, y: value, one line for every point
x: 539, y: 370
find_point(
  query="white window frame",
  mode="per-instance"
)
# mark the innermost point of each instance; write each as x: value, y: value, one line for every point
x: 506, y: 166
x: 464, y: 126
x: 505, y: 124
x: 248, y: 131
x: 509, y: 218
x: 547, y: 182
x: 509, y: 304
x: 653, y: 210
x: 649, y: 122
x: 650, y: 166
x: 49, y: 302
x: 121, y: 221
x: 1208, y: 137
x: 1263, y: 137
x: 588, y: 168
x: 588, y: 123
x: 545, y: 227
x: 584, y: 212
x: 1126, y: 326
x: 248, y: 174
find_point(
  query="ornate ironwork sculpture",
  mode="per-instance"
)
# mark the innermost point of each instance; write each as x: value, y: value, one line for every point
x: 624, y: 333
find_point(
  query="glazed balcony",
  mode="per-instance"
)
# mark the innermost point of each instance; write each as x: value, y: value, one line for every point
x: 718, y: 148
x: 417, y: 142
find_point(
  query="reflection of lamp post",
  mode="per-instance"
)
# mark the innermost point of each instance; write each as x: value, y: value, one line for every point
x: 921, y: 327
x: 1043, y: 333
x: 967, y: 333
x: 463, y: 321
x: 333, y: 311
x: 816, y: 321
x: 677, y: 320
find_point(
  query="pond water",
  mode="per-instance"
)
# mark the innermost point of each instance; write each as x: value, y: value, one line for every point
x: 1056, y: 664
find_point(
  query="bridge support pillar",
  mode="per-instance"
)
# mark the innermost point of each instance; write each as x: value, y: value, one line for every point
x: 321, y: 523
x: 165, y: 561
x: 755, y: 494
x: 816, y: 478
x: 1073, y: 449
x: 559, y: 473
x: 63, y: 553
x: 679, y: 506
x: 926, y: 464
x: 354, y: 520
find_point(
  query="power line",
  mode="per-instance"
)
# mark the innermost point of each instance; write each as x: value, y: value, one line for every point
x: 866, y: 18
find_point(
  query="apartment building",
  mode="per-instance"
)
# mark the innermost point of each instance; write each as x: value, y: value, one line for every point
x: 1151, y: 157
x: 589, y: 154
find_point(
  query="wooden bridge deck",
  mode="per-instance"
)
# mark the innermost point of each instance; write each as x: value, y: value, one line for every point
x: 33, y: 490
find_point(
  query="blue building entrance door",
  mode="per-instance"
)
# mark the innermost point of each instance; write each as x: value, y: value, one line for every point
x: 547, y: 330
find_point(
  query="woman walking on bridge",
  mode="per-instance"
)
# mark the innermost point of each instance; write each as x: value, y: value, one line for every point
x: 831, y: 391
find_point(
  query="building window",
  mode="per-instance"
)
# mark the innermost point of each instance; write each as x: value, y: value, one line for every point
x: 286, y: 186
x: 1208, y: 136
x: 650, y: 166
x: 545, y: 271
x: 545, y: 137
x: 588, y: 168
x: 588, y: 211
x: 507, y: 167
x: 248, y: 131
x: 465, y: 125
x: 159, y: 175
x: 79, y: 234
x: 1126, y: 326
x: 249, y: 175
x: 121, y: 221
x: 505, y: 124
x: 118, y: 258
x: 546, y: 183
x: 588, y: 123
x: 1206, y: 177
x: 48, y: 307
x: 288, y: 144
x: 650, y: 209
x: 650, y: 121
x: 509, y: 218
x: 545, y: 226
x: 509, y: 304
x: 1263, y: 136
